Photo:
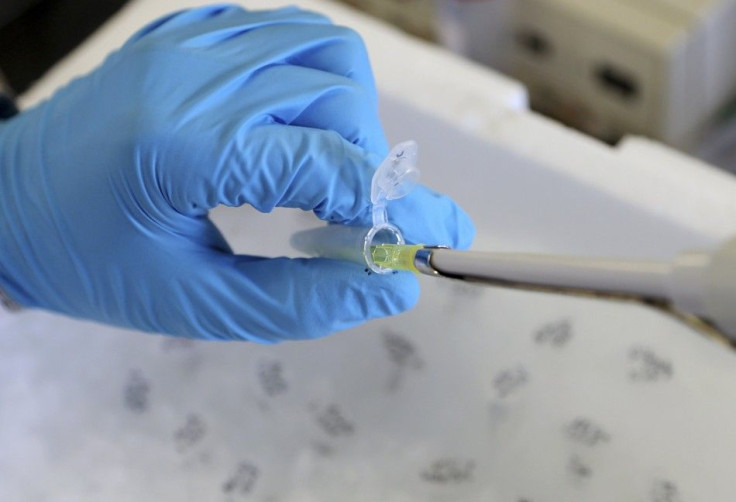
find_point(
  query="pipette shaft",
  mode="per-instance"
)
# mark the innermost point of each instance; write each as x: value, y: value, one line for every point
x: 697, y: 286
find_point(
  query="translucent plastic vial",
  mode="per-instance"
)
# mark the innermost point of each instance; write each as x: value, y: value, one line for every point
x: 395, y: 177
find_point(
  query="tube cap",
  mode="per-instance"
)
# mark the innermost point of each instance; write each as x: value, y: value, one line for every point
x: 395, y: 177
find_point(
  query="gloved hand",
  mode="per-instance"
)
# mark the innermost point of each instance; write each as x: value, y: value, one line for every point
x: 105, y: 188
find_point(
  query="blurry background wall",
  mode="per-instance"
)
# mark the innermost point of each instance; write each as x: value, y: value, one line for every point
x: 664, y: 69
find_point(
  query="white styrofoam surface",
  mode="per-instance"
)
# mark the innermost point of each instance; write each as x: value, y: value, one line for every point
x: 477, y: 394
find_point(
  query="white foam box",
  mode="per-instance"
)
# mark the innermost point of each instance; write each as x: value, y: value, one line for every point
x: 660, y: 68
x: 476, y: 394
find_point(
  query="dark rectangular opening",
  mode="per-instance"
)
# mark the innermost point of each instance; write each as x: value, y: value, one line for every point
x: 534, y: 42
x: 616, y: 81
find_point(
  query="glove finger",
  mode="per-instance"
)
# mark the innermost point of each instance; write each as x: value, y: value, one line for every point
x: 177, y: 20
x: 203, y: 26
x: 252, y: 36
x: 274, y: 166
x: 230, y: 297
x: 311, y: 98
x: 286, y: 38
x: 428, y: 217
x: 289, y: 95
x: 258, y: 38
x: 329, y: 48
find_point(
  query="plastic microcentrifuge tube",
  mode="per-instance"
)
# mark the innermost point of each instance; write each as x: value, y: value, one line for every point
x: 395, y: 177
x: 395, y: 256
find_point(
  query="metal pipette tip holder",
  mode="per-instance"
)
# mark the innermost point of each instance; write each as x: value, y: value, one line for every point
x: 395, y: 177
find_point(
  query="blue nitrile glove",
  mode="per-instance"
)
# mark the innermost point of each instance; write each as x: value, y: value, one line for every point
x: 105, y: 188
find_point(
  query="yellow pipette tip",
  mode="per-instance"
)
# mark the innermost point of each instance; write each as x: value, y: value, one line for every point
x: 395, y: 256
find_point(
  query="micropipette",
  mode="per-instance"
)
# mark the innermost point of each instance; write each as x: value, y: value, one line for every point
x: 698, y: 288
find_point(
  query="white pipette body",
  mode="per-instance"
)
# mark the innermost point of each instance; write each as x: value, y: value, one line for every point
x: 701, y: 284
